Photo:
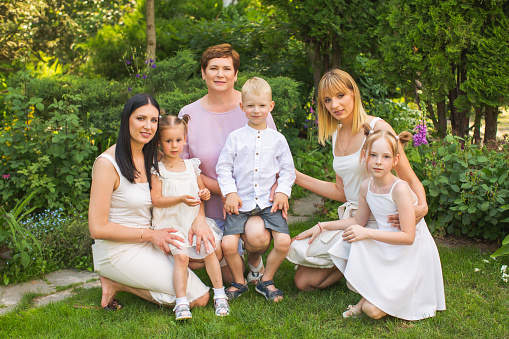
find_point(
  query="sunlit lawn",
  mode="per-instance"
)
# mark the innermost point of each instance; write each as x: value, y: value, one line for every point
x: 477, y: 307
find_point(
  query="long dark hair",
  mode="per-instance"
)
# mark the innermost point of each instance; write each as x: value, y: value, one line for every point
x: 123, y: 152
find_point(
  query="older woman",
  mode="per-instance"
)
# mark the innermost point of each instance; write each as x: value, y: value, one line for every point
x: 213, y: 117
x: 128, y: 255
x: 340, y: 114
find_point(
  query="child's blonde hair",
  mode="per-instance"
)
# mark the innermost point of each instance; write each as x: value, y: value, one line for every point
x: 392, y: 140
x: 333, y: 82
x: 257, y: 86
x: 171, y: 121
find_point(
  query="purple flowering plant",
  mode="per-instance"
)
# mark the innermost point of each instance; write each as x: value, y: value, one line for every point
x: 138, y: 67
x: 420, y: 135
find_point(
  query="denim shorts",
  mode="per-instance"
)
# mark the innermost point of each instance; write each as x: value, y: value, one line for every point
x: 235, y: 223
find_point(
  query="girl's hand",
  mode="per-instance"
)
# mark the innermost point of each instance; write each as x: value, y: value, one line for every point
x: 312, y: 232
x: 233, y: 203
x: 162, y: 238
x: 204, y: 194
x: 355, y: 233
x: 202, y: 231
x: 191, y: 201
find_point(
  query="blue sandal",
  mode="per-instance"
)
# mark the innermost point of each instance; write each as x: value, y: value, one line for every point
x: 261, y: 288
x: 241, y: 289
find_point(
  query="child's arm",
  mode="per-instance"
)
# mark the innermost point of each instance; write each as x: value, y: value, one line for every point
x: 203, y: 193
x: 160, y: 201
x: 285, y: 179
x: 402, y: 196
x: 360, y: 218
x: 233, y: 203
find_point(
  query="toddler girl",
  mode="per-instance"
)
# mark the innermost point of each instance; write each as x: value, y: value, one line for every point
x: 177, y: 192
x: 397, y: 271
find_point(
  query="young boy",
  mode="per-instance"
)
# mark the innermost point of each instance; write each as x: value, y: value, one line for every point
x: 247, y: 168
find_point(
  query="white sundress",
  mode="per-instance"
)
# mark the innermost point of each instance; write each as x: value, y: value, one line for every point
x: 404, y: 281
x: 181, y: 216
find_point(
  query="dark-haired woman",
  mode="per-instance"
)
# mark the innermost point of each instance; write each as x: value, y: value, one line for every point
x: 128, y: 255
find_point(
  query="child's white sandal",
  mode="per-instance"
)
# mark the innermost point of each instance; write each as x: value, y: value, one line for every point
x: 182, y: 312
x: 222, y: 309
x: 254, y: 275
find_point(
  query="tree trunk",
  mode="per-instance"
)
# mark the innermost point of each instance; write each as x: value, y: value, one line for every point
x: 431, y: 114
x: 151, y: 29
x: 442, y: 118
x: 317, y: 66
x: 490, y: 124
x: 477, y: 125
x: 336, y: 55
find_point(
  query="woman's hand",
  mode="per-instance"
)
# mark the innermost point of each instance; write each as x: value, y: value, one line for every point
x: 420, y: 212
x: 162, y: 239
x: 191, y: 201
x: 355, y: 233
x: 313, y: 232
x: 202, y: 231
x: 204, y: 194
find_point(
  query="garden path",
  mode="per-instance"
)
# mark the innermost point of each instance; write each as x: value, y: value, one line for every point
x: 59, y: 285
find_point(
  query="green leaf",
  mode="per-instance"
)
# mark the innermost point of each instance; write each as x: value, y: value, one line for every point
x: 455, y: 188
x: 25, y: 259
x: 502, y: 251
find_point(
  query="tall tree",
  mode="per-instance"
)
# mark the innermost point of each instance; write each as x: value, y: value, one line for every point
x: 151, y: 29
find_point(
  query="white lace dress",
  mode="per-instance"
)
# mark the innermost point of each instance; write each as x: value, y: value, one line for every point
x: 181, y: 216
x: 404, y: 281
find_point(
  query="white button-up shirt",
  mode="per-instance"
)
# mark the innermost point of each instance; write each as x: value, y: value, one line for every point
x: 249, y: 164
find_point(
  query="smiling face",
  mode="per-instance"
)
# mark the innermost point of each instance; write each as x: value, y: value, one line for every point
x: 143, y: 124
x: 257, y: 108
x: 219, y: 75
x: 340, y: 105
x: 380, y: 158
x: 172, y: 141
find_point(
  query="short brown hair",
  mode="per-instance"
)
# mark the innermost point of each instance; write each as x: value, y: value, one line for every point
x: 220, y: 51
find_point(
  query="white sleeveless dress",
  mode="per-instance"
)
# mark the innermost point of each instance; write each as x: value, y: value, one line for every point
x: 404, y: 281
x: 181, y: 216
x: 352, y: 171
x: 139, y: 265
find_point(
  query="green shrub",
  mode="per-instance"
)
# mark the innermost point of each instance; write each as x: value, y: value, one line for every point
x: 467, y: 187
x: 64, y: 240
x: 53, y: 154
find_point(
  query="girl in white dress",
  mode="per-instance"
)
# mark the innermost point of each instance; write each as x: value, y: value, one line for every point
x: 177, y: 193
x: 396, y: 271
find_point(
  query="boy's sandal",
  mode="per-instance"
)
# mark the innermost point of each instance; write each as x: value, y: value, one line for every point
x: 261, y: 288
x: 254, y: 275
x: 352, y: 312
x: 182, y: 312
x: 241, y: 289
x: 222, y: 309
x: 114, y: 305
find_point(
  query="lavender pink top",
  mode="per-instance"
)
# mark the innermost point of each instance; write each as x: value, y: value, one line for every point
x: 207, y: 133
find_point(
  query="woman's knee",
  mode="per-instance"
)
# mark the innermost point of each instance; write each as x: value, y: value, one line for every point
x: 201, y: 301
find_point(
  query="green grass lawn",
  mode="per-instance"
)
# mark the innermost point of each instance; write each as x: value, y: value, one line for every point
x: 477, y: 307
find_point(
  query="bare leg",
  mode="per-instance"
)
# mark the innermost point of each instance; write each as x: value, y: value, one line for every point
x: 256, y: 240
x: 229, y: 245
x: 309, y: 278
x: 180, y: 275
x: 275, y: 258
x: 371, y: 310
x: 213, y: 270
x: 110, y: 289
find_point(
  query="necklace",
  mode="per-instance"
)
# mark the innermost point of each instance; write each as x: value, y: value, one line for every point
x: 171, y: 166
x: 231, y: 107
x: 348, y: 144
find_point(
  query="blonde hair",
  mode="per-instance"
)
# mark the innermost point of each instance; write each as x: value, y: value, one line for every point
x: 171, y: 121
x: 257, y: 86
x: 333, y: 82
x: 392, y: 140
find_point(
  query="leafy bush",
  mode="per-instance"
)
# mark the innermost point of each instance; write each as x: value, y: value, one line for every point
x: 64, y: 240
x: 54, y: 154
x: 467, y: 187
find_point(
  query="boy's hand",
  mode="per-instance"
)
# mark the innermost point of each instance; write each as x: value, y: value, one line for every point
x: 204, y: 194
x: 232, y: 203
x: 189, y: 200
x: 280, y: 203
